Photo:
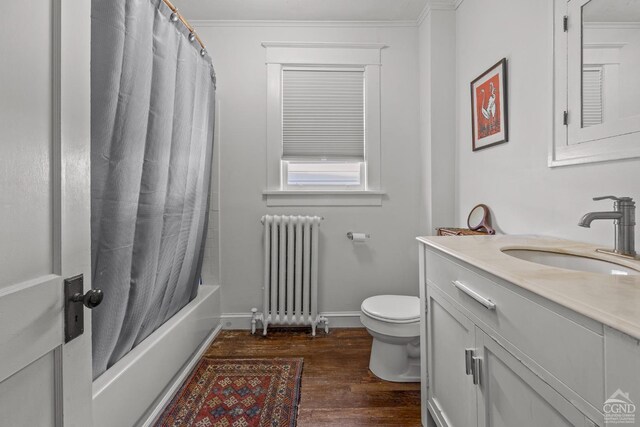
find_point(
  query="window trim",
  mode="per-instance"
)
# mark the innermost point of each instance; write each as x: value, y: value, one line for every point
x: 362, y: 55
x: 324, y: 198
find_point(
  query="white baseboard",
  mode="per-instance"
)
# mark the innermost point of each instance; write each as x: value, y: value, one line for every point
x: 236, y: 321
x: 343, y: 319
x: 179, y: 379
x: 337, y: 319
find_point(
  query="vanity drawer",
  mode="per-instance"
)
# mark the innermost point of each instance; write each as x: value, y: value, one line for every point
x: 570, y: 352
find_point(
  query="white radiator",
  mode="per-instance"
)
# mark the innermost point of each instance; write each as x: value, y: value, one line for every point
x: 290, y: 290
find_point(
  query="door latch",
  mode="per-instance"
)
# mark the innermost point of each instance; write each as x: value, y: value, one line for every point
x: 477, y: 366
x: 468, y: 361
x: 74, y: 303
x: 472, y: 365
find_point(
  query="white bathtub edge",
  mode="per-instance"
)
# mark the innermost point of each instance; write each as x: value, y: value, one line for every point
x: 130, y: 389
x: 179, y: 379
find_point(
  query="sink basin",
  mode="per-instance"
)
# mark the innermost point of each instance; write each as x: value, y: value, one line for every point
x: 571, y: 262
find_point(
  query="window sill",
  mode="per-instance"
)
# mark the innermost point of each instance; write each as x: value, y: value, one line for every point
x: 323, y: 198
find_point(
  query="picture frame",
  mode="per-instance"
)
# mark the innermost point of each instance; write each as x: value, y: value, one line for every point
x: 489, y: 107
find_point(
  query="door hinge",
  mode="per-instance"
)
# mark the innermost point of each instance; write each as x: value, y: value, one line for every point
x: 565, y: 23
x: 565, y: 118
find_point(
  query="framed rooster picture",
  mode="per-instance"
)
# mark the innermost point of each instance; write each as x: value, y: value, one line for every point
x: 489, y: 107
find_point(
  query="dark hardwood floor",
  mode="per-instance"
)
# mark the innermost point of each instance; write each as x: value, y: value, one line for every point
x: 337, y: 387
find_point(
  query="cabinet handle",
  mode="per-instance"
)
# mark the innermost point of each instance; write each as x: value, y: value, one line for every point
x: 487, y: 303
x: 477, y: 366
x: 468, y: 358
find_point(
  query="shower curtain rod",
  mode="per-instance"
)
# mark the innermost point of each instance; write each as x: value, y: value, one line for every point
x: 184, y: 21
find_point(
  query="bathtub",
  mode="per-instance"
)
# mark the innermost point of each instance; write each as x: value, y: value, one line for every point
x: 134, y: 390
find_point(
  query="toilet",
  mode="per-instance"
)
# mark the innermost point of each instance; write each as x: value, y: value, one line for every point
x: 394, y: 323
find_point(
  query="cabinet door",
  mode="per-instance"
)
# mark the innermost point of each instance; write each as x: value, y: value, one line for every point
x: 510, y: 394
x: 452, y: 395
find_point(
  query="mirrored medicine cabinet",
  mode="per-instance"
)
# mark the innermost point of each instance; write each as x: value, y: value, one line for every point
x: 596, y: 81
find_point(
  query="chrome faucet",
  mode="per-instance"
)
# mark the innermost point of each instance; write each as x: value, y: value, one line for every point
x: 624, y: 219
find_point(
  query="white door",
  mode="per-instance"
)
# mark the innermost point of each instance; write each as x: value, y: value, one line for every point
x: 510, y: 394
x: 452, y: 395
x: 44, y: 210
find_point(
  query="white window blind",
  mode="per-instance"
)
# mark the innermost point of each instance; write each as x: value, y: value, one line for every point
x: 323, y: 114
x: 592, y: 113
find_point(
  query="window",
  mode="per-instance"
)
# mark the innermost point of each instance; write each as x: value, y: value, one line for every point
x: 306, y: 173
x: 323, y: 128
x: 323, y: 124
x: 592, y: 109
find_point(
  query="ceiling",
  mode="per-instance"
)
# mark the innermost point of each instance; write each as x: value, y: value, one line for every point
x: 301, y: 10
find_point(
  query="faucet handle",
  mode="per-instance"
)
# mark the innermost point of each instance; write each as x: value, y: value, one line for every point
x: 617, y: 199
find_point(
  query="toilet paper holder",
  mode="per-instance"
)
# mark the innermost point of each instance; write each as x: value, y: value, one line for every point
x: 350, y: 235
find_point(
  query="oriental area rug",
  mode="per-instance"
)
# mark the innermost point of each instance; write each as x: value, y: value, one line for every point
x: 237, y: 393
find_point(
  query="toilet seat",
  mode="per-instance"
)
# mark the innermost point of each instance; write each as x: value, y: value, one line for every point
x: 389, y: 329
x: 392, y: 308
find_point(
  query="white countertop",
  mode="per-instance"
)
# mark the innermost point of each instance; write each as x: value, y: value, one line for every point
x: 610, y: 299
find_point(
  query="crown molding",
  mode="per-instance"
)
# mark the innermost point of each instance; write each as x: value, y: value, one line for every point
x: 431, y: 5
x: 289, y: 23
x: 437, y: 5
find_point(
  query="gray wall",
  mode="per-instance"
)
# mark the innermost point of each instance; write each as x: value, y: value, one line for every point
x: 526, y: 196
x: 437, y: 45
x: 429, y: 171
x: 348, y: 274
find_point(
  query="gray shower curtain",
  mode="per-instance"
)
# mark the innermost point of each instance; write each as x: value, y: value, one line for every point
x: 152, y: 118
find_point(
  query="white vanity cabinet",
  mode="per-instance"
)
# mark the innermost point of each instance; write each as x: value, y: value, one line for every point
x: 452, y: 396
x: 499, y: 355
x: 510, y: 394
x: 498, y: 390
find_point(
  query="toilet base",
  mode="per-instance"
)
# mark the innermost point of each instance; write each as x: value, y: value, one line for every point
x: 395, y: 362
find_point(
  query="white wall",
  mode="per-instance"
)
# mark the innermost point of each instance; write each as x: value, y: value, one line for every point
x: 429, y: 170
x: 437, y: 118
x: 348, y: 273
x: 525, y: 195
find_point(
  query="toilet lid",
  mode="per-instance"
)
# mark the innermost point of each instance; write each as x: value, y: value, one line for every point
x: 392, y: 308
